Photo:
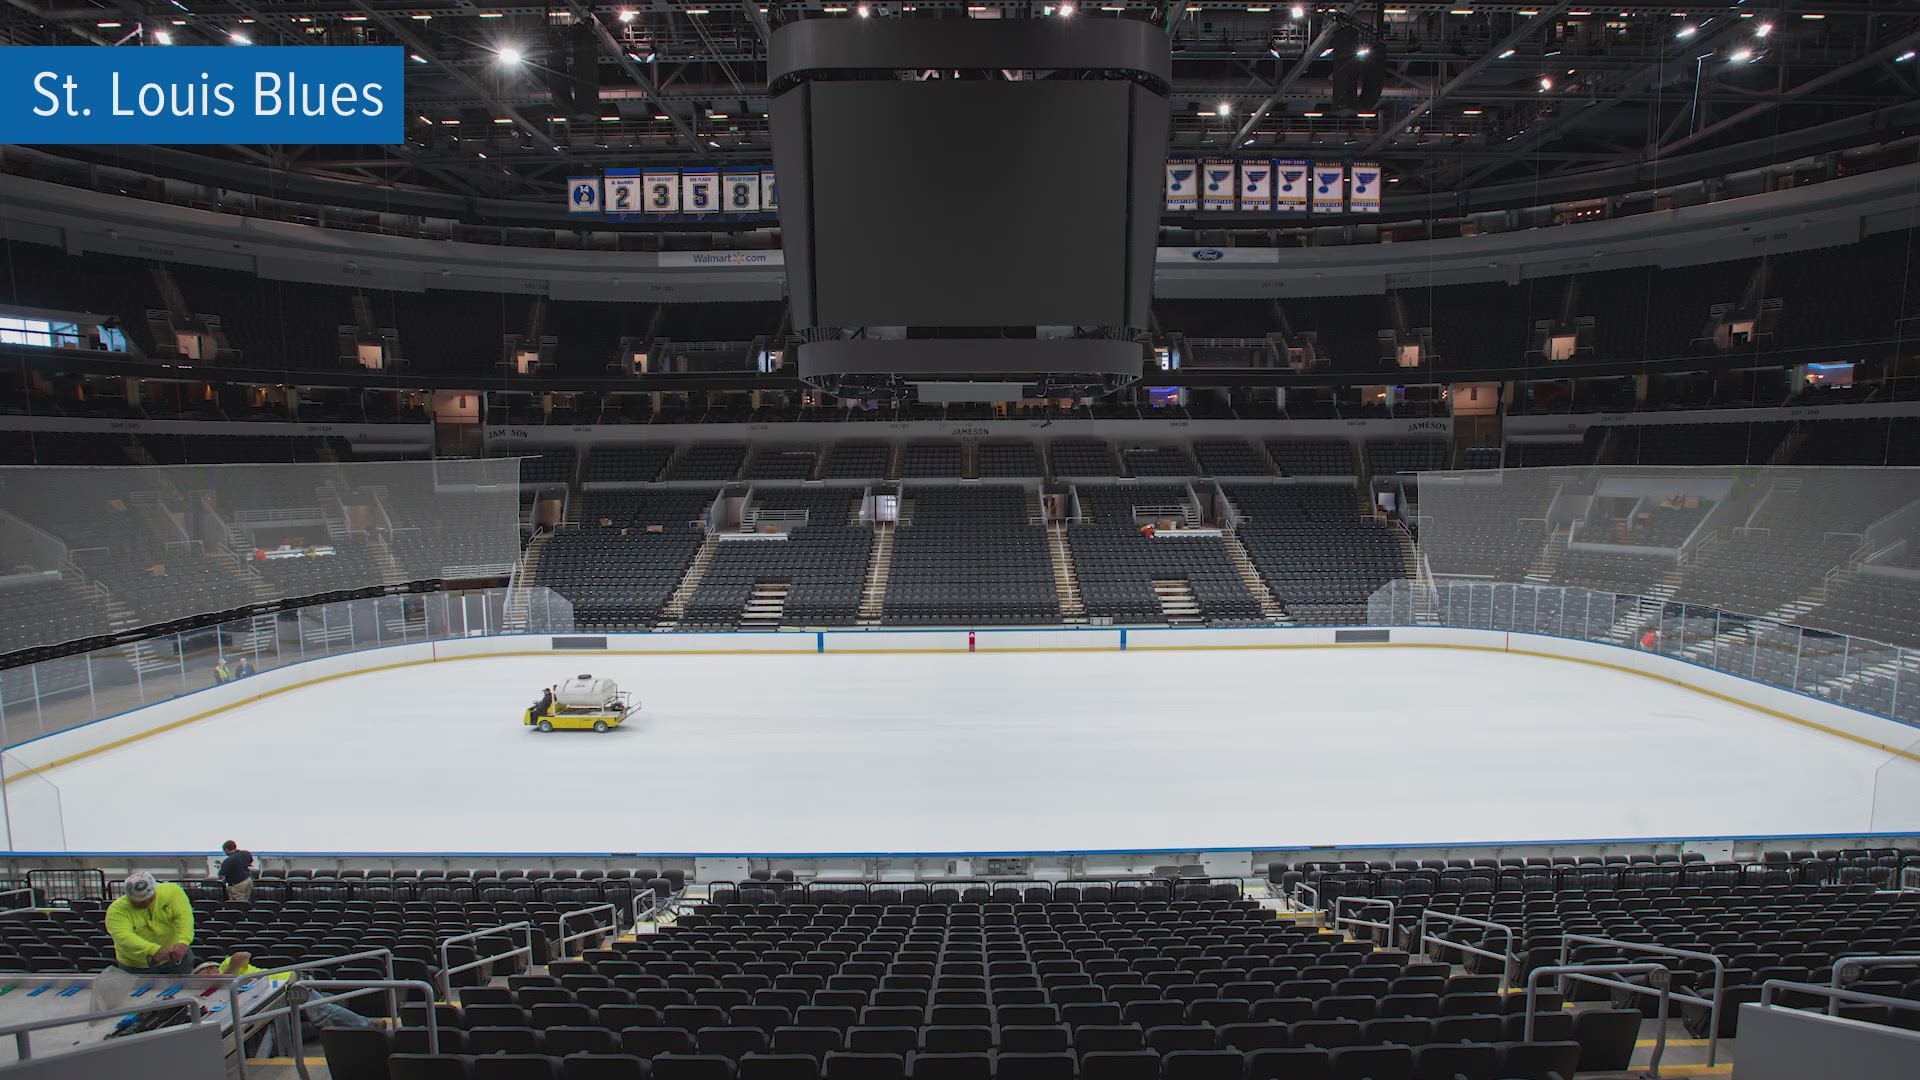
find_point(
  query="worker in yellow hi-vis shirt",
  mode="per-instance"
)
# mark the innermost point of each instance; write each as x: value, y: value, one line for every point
x: 315, y: 1016
x: 152, y: 927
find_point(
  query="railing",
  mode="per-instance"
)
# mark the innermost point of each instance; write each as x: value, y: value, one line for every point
x: 69, y: 884
x: 297, y: 1002
x: 233, y: 995
x: 1658, y: 977
x: 1505, y: 957
x: 611, y: 926
x: 28, y: 906
x: 649, y: 906
x: 1833, y: 994
x: 22, y: 1032
x: 1846, y: 964
x: 63, y: 692
x: 1341, y: 921
x: 1859, y: 673
x: 964, y: 890
x: 1712, y: 1005
x: 447, y: 968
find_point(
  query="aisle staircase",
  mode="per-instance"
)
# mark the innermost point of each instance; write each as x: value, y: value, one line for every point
x: 1546, y: 562
x: 1177, y: 603
x: 767, y: 607
x: 514, y: 617
x: 873, y: 595
x: 1629, y: 624
x: 390, y: 571
x: 1066, y: 584
x: 676, y: 608
x: 1270, y: 606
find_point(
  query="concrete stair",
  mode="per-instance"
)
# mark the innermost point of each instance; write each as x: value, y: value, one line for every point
x: 1177, y: 603
x: 390, y: 571
x: 766, y: 608
x: 1270, y: 606
x: 873, y: 595
x: 676, y: 606
x: 515, y: 614
x: 1066, y: 584
x: 1546, y: 561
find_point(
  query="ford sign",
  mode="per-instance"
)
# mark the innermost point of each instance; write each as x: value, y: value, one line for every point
x: 1209, y: 254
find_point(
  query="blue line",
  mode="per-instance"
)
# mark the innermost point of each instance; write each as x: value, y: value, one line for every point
x: 1123, y: 641
x: 820, y: 641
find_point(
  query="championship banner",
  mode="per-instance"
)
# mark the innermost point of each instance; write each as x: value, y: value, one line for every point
x: 1256, y: 185
x: 623, y: 192
x: 583, y: 194
x: 662, y: 189
x: 1367, y: 181
x: 1290, y: 186
x: 1329, y: 189
x: 740, y: 191
x: 769, y: 193
x: 1183, y: 185
x: 700, y: 191
x: 1216, y: 184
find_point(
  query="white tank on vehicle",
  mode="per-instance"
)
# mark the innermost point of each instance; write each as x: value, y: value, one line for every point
x: 586, y: 692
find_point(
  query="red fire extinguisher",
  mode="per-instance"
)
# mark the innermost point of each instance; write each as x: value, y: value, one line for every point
x: 969, y: 641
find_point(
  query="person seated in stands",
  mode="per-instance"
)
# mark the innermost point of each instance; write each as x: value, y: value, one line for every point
x: 152, y: 927
x: 277, y: 1038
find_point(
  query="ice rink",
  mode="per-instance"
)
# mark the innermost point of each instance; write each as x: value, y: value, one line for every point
x: 974, y: 752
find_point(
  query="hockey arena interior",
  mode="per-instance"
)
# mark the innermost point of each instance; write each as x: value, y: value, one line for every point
x: 1201, y: 541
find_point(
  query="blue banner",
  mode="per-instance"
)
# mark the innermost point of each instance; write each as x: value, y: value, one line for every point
x: 197, y: 94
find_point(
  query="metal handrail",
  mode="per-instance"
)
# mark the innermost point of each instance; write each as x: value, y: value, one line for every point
x: 612, y: 926
x: 28, y: 906
x: 1506, y: 958
x: 233, y: 991
x: 1302, y: 887
x: 1567, y: 941
x: 1848, y: 963
x: 655, y: 907
x: 1833, y: 994
x: 355, y: 988
x: 21, y: 1033
x: 1659, y: 974
x: 448, y: 971
x: 1340, y: 920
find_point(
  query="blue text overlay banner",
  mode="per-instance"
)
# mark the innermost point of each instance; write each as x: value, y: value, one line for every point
x: 202, y: 94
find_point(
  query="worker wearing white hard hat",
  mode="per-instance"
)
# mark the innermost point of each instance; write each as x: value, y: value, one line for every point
x: 152, y: 927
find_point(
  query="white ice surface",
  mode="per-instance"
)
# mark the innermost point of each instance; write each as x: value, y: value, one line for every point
x: 957, y: 752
